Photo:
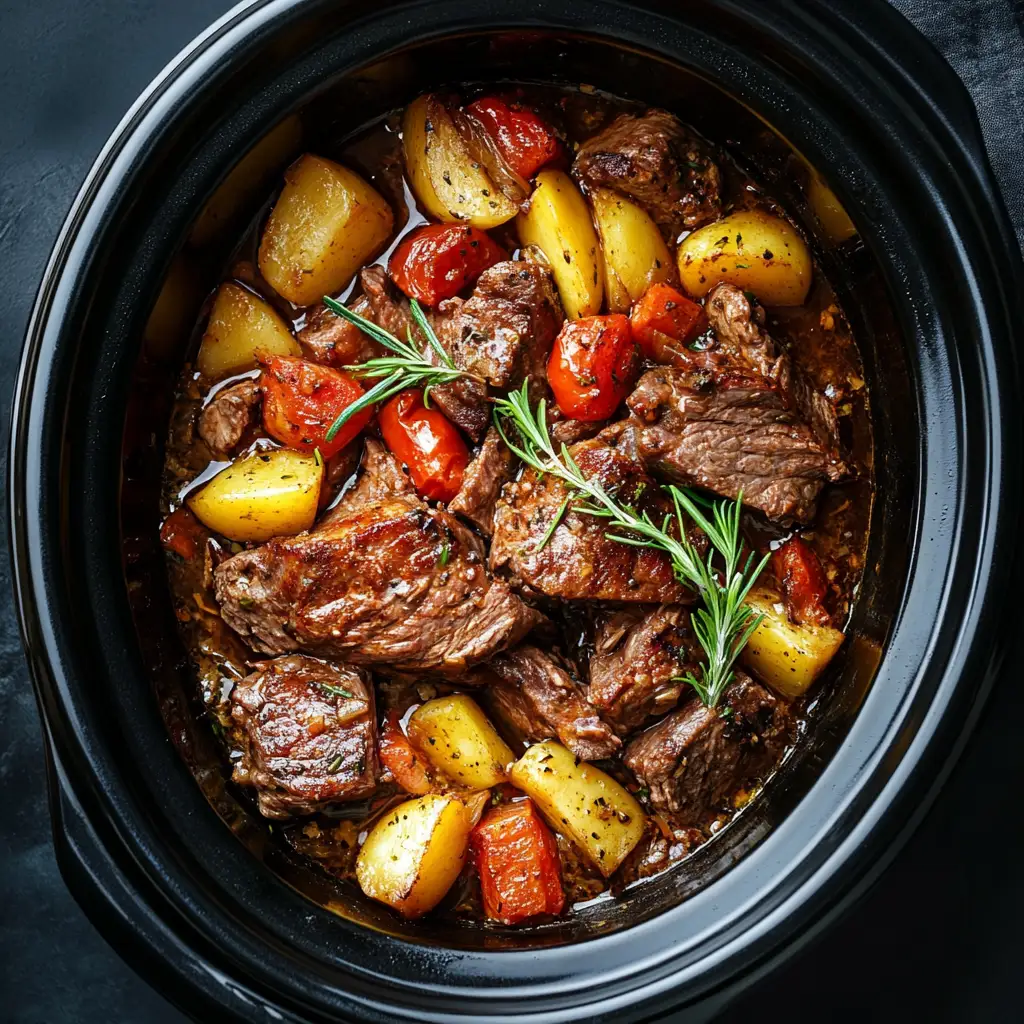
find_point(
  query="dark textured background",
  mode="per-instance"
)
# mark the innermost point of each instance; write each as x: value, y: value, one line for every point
x: 937, y: 939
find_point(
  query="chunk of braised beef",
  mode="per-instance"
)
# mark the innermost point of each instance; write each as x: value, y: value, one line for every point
x: 639, y: 658
x: 549, y: 548
x: 536, y: 695
x: 504, y: 331
x: 308, y: 735
x: 388, y: 582
x: 660, y: 163
x: 228, y: 415
x: 333, y: 340
x: 730, y: 435
x: 697, y: 758
x: 491, y: 468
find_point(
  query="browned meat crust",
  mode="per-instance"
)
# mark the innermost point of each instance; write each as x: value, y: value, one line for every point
x: 535, y: 694
x: 229, y: 414
x: 693, y: 760
x: 308, y: 733
x: 390, y: 582
x: 660, y: 163
x: 733, y: 436
x: 639, y: 656
x: 505, y: 330
x: 578, y: 561
x: 482, y: 482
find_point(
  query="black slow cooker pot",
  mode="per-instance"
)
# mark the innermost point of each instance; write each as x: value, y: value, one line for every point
x: 222, y: 919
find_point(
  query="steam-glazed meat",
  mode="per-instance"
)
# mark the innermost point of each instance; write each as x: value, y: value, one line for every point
x: 380, y: 476
x: 536, y: 695
x: 659, y: 162
x: 505, y: 330
x: 390, y: 582
x: 308, y: 733
x: 639, y: 658
x: 482, y: 482
x: 333, y: 340
x: 741, y: 341
x: 736, y: 434
x: 578, y: 560
x: 697, y: 757
x: 229, y: 414
x: 463, y: 401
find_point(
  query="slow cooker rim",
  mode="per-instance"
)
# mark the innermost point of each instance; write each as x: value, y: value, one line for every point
x: 35, y: 334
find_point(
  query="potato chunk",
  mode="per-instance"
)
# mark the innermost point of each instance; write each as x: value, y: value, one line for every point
x: 753, y: 250
x: 558, y: 223
x: 268, y: 494
x: 635, y: 254
x: 786, y: 655
x: 457, y: 739
x: 239, y: 324
x: 415, y: 853
x: 581, y: 802
x: 445, y: 178
x: 325, y: 225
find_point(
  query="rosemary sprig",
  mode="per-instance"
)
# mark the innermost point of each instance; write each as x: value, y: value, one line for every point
x: 724, y: 624
x: 407, y: 368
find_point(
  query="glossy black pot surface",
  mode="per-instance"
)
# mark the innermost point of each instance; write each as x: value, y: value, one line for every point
x: 240, y: 927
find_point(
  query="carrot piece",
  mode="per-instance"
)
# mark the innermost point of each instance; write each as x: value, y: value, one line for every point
x: 401, y: 758
x: 663, y: 315
x: 516, y: 858
x: 803, y: 581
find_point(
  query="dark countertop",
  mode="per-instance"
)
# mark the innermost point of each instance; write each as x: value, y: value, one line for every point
x: 938, y: 934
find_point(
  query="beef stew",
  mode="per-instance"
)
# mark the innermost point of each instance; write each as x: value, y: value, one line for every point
x: 402, y: 554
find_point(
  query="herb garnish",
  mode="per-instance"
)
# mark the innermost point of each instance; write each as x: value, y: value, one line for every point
x: 335, y: 691
x: 406, y: 368
x: 724, y: 624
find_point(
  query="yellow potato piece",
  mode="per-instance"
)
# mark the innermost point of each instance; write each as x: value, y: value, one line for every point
x: 753, y: 250
x: 414, y: 854
x: 558, y: 222
x: 240, y: 324
x: 248, y: 181
x: 635, y: 254
x: 581, y: 802
x: 786, y: 655
x: 268, y: 494
x: 326, y: 224
x: 457, y: 738
x: 449, y: 184
x: 835, y: 221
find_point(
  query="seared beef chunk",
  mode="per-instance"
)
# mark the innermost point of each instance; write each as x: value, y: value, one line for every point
x: 331, y: 339
x: 380, y: 476
x: 694, y: 760
x: 578, y: 560
x: 309, y: 734
x: 463, y: 401
x: 229, y: 414
x: 505, y: 330
x: 482, y: 482
x: 741, y: 341
x: 660, y: 163
x: 571, y: 431
x: 639, y: 655
x: 536, y: 695
x: 389, y: 582
x: 736, y: 434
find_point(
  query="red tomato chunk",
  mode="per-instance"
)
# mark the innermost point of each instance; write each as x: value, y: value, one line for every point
x: 803, y: 581
x: 517, y: 860
x: 664, y: 315
x: 437, y: 261
x: 427, y: 442
x: 183, y: 534
x: 524, y: 141
x: 593, y: 365
x: 302, y: 399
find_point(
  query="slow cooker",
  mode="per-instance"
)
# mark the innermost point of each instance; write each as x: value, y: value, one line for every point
x: 182, y: 879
